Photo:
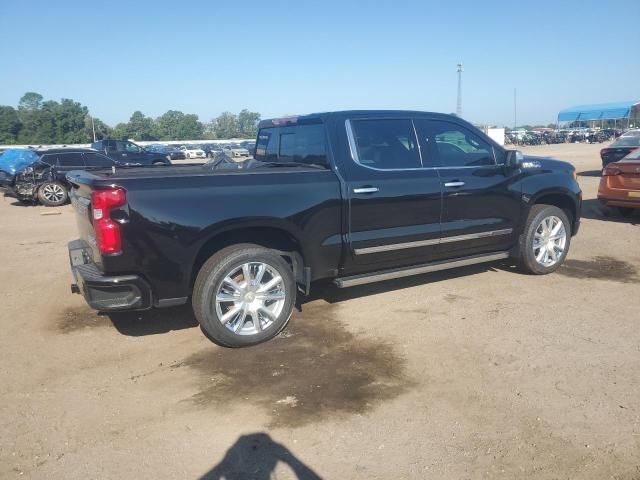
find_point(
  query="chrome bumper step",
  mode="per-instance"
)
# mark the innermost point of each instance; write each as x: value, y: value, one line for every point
x: 418, y: 269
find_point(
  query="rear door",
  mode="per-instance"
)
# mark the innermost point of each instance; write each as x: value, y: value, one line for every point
x: 65, y: 162
x: 394, y: 195
x: 480, y: 211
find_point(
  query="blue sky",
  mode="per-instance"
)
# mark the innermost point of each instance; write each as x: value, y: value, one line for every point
x: 286, y: 57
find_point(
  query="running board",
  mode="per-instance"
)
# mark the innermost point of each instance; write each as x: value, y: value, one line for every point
x: 419, y: 269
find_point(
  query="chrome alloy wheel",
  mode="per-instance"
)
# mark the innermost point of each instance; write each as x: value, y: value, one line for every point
x: 549, y: 241
x: 53, y: 192
x: 250, y: 298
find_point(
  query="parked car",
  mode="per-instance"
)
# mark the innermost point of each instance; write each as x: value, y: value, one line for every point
x: 193, y: 151
x: 235, y: 150
x: 620, y: 184
x: 211, y: 149
x: 632, y: 133
x: 619, y: 149
x: 129, y: 153
x: 39, y: 175
x: 356, y: 196
x: 167, y: 150
x: 250, y: 146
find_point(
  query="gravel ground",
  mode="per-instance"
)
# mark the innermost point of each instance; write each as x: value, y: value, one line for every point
x: 475, y: 373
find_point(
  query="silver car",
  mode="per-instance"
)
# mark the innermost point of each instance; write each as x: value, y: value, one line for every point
x: 235, y: 150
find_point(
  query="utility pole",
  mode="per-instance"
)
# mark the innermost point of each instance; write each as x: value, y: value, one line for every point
x: 515, y: 109
x: 459, y: 104
x: 93, y: 127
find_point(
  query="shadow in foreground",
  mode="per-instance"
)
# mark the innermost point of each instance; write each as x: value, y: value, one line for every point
x: 154, y: 321
x: 590, y: 173
x: 255, y: 456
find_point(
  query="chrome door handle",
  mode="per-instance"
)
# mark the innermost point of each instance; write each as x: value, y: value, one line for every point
x: 454, y: 184
x: 366, y: 190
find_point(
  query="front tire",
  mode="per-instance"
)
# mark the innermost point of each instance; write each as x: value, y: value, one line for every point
x: 53, y: 194
x: 244, y: 295
x: 545, y: 241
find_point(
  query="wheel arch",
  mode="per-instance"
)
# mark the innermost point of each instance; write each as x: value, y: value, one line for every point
x: 563, y: 199
x: 272, y: 235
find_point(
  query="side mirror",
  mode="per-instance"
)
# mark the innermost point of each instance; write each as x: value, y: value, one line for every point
x: 515, y: 158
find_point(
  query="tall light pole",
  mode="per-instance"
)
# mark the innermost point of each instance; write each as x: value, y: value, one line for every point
x: 459, y: 104
x: 515, y: 109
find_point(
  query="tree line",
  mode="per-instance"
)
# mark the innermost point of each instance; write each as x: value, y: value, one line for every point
x: 40, y: 122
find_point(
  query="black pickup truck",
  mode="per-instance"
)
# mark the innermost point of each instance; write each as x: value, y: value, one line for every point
x: 355, y: 196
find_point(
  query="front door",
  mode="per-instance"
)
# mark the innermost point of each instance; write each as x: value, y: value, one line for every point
x: 394, y: 201
x: 480, y: 210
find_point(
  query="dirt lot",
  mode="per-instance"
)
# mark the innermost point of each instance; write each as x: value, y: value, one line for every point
x: 475, y: 373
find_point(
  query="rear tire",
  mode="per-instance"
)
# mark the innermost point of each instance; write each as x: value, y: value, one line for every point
x: 625, y: 211
x: 53, y: 194
x: 235, y: 311
x: 545, y: 241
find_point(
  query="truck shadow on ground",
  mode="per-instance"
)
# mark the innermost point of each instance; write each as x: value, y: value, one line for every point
x: 158, y: 321
x: 256, y: 456
x: 592, y: 209
x: 590, y: 173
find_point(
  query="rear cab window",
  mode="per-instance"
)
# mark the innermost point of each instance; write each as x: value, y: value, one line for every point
x: 304, y: 143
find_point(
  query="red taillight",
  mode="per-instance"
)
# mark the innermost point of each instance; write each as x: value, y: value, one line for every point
x: 107, y: 231
x: 610, y: 171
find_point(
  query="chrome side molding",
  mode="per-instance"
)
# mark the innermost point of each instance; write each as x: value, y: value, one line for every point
x: 434, y: 241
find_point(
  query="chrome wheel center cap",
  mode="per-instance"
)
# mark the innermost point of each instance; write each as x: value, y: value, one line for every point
x: 250, y: 297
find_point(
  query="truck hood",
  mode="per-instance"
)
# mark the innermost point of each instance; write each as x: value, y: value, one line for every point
x: 531, y: 162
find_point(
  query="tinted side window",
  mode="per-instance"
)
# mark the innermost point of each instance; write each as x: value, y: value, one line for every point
x: 132, y: 148
x: 303, y: 144
x: 267, y: 145
x: 386, y: 143
x: 70, y: 160
x: 97, y: 160
x: 457, y: 146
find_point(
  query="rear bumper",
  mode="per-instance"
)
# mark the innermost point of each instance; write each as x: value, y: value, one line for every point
x: 103, y: 292
x: 620, y: 202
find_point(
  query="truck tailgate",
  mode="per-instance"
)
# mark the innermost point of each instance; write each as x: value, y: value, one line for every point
x: 80, y: 197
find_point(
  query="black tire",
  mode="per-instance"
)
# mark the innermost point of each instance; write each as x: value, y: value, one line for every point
x: 210, y: 279
x: 53, y: 194
x: 527, y: 261
x: 625, y: 211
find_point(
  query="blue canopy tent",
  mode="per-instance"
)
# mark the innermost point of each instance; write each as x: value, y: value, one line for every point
x: 603, y: 111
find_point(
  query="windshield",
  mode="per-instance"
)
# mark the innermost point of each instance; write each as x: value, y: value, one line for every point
x: 627, y: 142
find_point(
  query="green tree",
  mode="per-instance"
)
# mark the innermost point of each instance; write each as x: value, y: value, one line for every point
x: 167, y: 124
x: 141, y: 127
x: 102, y: 129
x: 190, y: 128
x: 227, y: 126
x: 30, y: 101
x: 120, y: 131
x: 9, y: 125
x: 29, y: 115
x: 248, y: 123
x: 69, y: 121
